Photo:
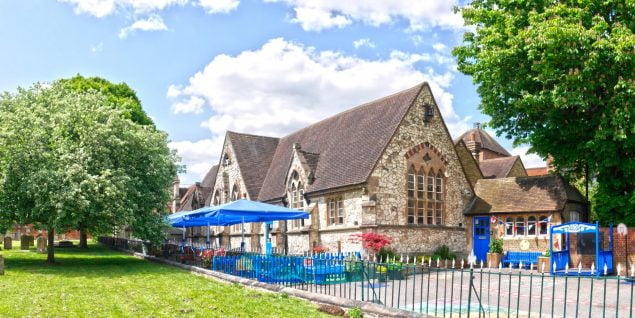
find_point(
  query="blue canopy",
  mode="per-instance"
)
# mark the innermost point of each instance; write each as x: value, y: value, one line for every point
x: 254, y: 211
x: 198, y: 218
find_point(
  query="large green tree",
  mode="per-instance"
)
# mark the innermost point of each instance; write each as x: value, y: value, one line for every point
x: 69, y: 156
x: 121, y: 97
x: 560, y: 76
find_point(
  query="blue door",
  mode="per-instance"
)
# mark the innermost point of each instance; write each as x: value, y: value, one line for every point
x: 481, y: 238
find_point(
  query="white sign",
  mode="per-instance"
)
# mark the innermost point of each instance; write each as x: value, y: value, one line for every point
x: 622, y: 229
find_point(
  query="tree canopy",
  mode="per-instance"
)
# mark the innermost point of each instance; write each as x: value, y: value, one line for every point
x: 120, y: 96
x: 69, y: 156
x: 560, y: 76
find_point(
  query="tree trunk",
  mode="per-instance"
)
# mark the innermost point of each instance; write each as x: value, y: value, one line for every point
x: 50, y: 259
x: 83, y: 239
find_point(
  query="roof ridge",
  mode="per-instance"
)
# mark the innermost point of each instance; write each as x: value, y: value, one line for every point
x: 250, y: 135
x: 359, y: 106
x: 501, y: 158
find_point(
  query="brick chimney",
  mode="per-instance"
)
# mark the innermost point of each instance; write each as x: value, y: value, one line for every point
x: 473, y: 145
x: 176, y: 195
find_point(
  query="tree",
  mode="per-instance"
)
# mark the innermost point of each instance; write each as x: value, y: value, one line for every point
x: 560, y: 76
x: 68, y: 157
x: 121, y: 97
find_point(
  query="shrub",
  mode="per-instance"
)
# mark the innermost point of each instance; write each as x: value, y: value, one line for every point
x: 355, y: 312
x: 320, y: 249
x: 496, y: 246
x: 386, y: 254
x: 443, y: 252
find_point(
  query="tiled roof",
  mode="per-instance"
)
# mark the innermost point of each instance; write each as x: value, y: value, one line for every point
x: 498, y: 167
x: 253, y: 155
x: 487, y: 142
x: 523, y: 194
x: 349, y: 144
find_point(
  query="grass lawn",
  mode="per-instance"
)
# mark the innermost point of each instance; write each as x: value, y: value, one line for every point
x: 103, y: 283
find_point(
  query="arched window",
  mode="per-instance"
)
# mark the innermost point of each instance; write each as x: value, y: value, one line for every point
x: 295, y: 190
x: 543, y: 224
x: 531, y: 225
x: 425, y: 188
x: 235, y: 195
x: 520, y: 226
x: 217, y: 199
x: 509, y: 226
x: 439, y: 199
x: 412, y: 201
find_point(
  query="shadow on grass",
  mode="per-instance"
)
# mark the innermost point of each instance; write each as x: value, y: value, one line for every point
x: 73, y: 262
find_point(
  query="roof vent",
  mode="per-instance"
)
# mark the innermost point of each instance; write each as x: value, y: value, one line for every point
x: 477, y: 125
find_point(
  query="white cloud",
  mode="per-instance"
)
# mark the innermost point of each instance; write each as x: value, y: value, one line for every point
x: 284, y: 86
x: 364, y: 42
x: 315, y: 15
x: 96, y: 48
x: 198, y: 157
x: 219, y: 6
x: 102, y: 8
x: 151, y: 23
x: 439, y: 47
x: 529, y: 160
x: 193, y: 104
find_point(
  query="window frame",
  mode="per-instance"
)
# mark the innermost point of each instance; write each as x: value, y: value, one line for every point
x: 335, y: 211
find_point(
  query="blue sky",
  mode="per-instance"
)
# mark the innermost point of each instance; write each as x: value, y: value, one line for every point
x: 268, y: 67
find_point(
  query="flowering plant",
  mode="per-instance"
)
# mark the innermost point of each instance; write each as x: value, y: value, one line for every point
x: 371, y: 241
x: 320, y: 249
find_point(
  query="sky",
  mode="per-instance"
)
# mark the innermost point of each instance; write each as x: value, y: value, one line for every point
x: 267, y: 67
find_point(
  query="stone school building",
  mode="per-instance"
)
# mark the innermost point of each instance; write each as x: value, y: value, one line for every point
x: 388, y: 166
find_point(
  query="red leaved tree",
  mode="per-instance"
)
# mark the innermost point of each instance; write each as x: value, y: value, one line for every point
x: 373, y: 242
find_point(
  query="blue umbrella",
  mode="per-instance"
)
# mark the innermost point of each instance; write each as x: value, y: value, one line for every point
x: 255, y: 211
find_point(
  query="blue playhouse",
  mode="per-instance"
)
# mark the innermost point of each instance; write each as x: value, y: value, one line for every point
x: 590, y: 233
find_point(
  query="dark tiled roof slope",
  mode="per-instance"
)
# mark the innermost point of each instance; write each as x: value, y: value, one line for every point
x: 487, y: 142
x: 349, y: 144
x: 253, y: 155
x: 523, y: 194
x: 498, y: 167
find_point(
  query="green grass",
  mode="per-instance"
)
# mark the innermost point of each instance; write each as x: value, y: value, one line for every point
x: 104, y: 283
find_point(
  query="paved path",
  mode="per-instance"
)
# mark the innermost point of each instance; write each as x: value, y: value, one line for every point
x: 502, y: 294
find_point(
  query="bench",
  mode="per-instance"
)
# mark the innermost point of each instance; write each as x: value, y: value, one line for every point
x: 514, y: 258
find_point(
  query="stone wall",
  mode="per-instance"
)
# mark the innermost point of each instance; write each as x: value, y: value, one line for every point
x: 418, y: 239
x: 228, y: 177
x: 517, y: 169
x: 390, y: 177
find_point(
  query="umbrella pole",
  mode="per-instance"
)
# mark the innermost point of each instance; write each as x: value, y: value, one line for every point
x: 208, y: 241
x: 183, y: 240
x: 242, y: 230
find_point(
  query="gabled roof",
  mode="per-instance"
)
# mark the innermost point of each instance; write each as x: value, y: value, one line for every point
x: 209, y: 181
x: 523, y: 194
x: 349, y: 144
x: 253, y: 155
x: 498, y: 167
x: 487, y: 142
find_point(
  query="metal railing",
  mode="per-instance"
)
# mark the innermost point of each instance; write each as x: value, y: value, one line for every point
x: 437, y: 288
